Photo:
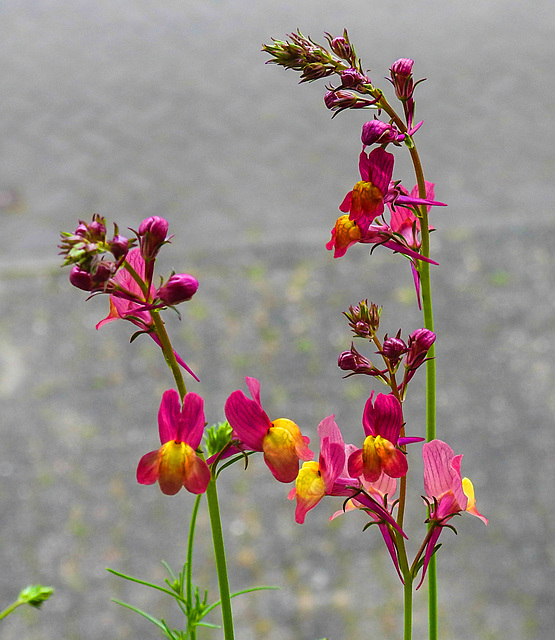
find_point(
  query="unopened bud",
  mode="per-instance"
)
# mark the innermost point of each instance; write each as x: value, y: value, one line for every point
x: 179, y: 288
x: 152, y: 235
x: 364, y: 320
x: 393, y: 349
x: 378, y: 132
x: 81, y: 279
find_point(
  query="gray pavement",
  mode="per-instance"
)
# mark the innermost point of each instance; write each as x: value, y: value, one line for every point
x: 131, y: 109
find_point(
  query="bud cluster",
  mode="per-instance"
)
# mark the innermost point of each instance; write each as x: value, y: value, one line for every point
x: 304, y: 55
x: 364, y: 321
x: 85, y: 249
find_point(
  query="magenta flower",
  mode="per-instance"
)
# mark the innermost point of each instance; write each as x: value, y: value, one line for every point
x: 128, y: 302
x: 382, y: 422
x: 176, y: 464
x: 447, y: 493
x: 280, y: 440
x: 366, y: 201
x: 317, y: 479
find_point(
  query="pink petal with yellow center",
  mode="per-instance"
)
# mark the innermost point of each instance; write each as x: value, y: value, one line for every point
x: 378, y: 454
x: 283, y: 445
x: 309, y: 489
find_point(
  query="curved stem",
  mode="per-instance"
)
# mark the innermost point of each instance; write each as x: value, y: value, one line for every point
x: 12, y: 607
x: 219, y: 555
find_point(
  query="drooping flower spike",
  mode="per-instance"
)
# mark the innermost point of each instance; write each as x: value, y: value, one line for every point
x: 176, y: 464
x: 382, y: 491
x: 447, y: 492
x: 280, y: 440
x: 382, y: 422
x: 129, y: 303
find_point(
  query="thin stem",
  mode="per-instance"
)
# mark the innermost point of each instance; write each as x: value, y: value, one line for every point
x: 12, y: 607
x: 168, y: 351
x: 190, y: 545
x: 427, y: 309
x: 407, y: 624
x: 219, y: 555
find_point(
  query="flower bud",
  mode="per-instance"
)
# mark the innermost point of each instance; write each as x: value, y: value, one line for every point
x: 341, y: 47
x: 152, y: 235
x: 420, y: 342
x: 81, y: 279
x: 378, y: 132
x: 35, y: 594
x: 364, y: 320
x: 353, y: 79
x: 393, y: 349
x: 101, y: 271
x: 401, y: 77
x: 179, y: 288
x: 119, y: 246
x: 354, y: 361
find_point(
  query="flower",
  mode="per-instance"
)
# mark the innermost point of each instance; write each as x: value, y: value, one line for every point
x: 382, y: 422
x: 129, y: 302
x: 280, y: 440
x: 317, y: 479
x: 366, y: 201
x: 420, y: 342
x: 176, y: 463
x: 448, y: 494
x: 378, y: 132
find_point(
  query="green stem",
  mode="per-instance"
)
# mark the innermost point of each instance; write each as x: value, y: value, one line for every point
x: 407, y: 626
x: 427, y: 310
x: 169, y: 354
x: 219, y: 555
x: 12, y: 607
x: 189, y: 564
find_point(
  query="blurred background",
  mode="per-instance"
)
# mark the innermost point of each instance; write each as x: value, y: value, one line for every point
x: 139, y: 108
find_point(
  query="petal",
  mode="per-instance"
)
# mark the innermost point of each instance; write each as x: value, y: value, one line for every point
x: 192, y: 421
x: 197, y: 474
x: 310, y: 489
x: 380, y: 168
x: 468, y: 489
x: 283, y: 445
x: 345, y: 206
x: 147, y: 470
x: 169, y: 416
x: 248, y: 420
x: 355, y: 464
x: 442, y: 472
x: 173, y: 466
x: 384, y: 417
x: 254, y: 389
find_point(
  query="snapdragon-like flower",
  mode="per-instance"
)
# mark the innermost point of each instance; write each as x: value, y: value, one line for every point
x: 176, y: 464
x: 317, y: 479
x: 382, y: 422
x: 447, y: 492
x: 280, y: 440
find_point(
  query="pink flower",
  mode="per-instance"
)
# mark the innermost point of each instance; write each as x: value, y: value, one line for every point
x: 447, y: 492
x: 366, y: 201
x: 176, y: 464
x: 382, y: 422
x: 280, y: 440
x: 317, y: 479
x: 130, y: 303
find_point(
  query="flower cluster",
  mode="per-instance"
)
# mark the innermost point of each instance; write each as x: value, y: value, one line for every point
x: 128, y: 278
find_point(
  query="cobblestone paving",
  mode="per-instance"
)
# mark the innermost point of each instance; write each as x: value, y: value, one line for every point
x: 136, y: 108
